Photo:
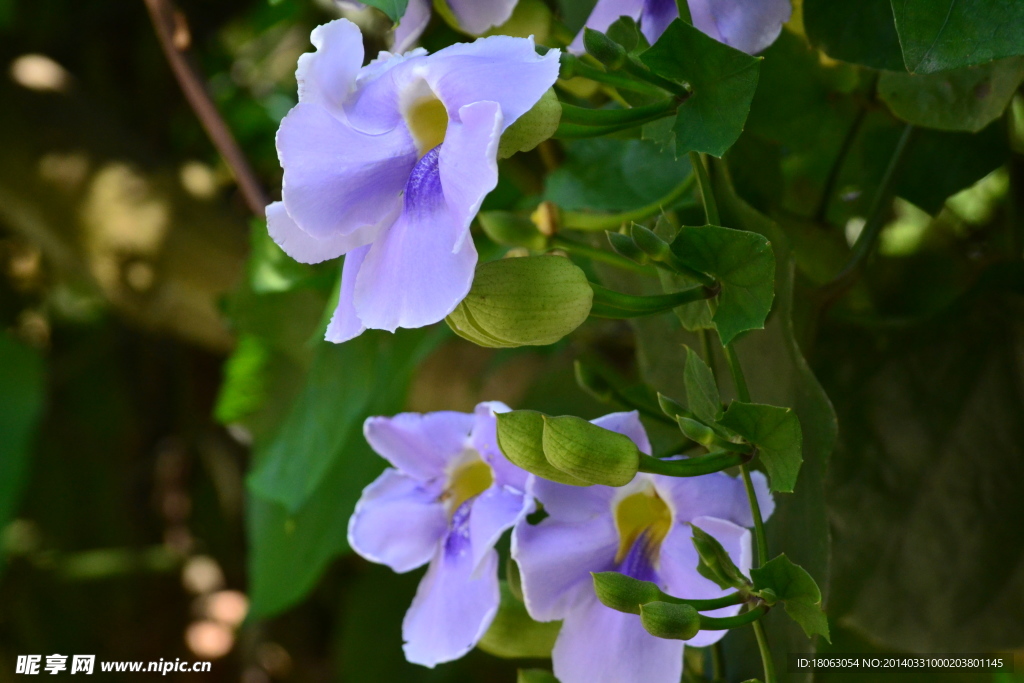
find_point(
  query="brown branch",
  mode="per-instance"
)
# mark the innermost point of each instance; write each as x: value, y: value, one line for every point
x: 173, y: 33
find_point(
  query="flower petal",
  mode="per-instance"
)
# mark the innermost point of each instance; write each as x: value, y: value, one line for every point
x: 627, y: 424
x: 326, y: 76
x: 476, y: 16
x: 747, y: 25
x: 574, y: 503
x: 399, y: 521
x: 453, y: 608
x: 599, y: 645
x: 604, y: 14
x: 468, y: 162
x: 485, y: 442
x: 493, y: 511
x: 498, y: 69
x: 657, y: 15
x: 716, y: 495
x: 410, y: 277
x: 345, y: 324
x: 337, y: 179
x: 420, y: 444
x: 678, y: 561
x: 411, y: 25
x: 555, y: 560
x: 305, y: 248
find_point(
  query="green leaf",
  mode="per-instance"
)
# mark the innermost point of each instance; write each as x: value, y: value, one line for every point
x: 797, y: 592
x: 22, y: 395
x: 723, y: 81
x: 715, y: 563
x: 514, y: 635
x: 520, y: 438
x: 607, y: 174
x: 593, y: 454
x: 965, y: 99
x: 701, y: 390
x: 937, y: 35
x: 535, y: 676
x: 393, y: 8
x: 343, y: 382
x: 244, y: 388
x: 776, y: 433
x: 297, y: 523
x: 861, y: 32
x: 743, y: 263
x: 269, y: 268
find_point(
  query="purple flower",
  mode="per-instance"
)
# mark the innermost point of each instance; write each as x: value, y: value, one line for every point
x: 474, y: 16
x: 642, y: 530
x: 449, y: 497
x: 388, y: 163
x: 747, y: 25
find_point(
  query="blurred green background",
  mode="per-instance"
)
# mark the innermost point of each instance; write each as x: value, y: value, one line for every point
x: 160, y: 361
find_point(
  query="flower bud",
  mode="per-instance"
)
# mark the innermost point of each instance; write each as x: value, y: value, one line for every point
x: 700, y: 433
x: 604, y: 49
x: 588, y: 452
x: 529, y: 301
x: 667, y: 620
x: 512, y: 230
x: 624, y: 593
x: 520, y: 435
x: 625, y: 246
x: 533, y: 127
x: 715, y: 563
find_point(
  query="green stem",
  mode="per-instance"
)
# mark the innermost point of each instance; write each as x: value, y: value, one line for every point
x: 714, y: 603
x: 876, y: 215
x: 607, y: 117
x: 578, y: 220
x: 595, y: 254
x: 717, y: 663
x: 576, y: 131
x: 635, y: 68
x: 684, y: 11
x: 572, y: 67
x: 705, y: 351
x: 692, y: 467
x: 766, y: 654
x: 725, y: 623
x: 743, y: 393
x: 706, y: 193
x: 616, y: 305
x: 740, y: 382
x: 755, y: 509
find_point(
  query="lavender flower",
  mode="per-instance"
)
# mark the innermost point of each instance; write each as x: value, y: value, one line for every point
x: 747, y: 25
x: 642, y: 530
x: 388, y: 163
x: 448, y: 499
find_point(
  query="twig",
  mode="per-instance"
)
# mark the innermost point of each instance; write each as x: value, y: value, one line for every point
x: 172, y: 31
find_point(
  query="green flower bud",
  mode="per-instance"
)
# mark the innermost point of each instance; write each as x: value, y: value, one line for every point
x: 624, y: 593
x: 715, y: 563
x: 588, y: 452
x: 533, y: 127
x: 671, y: 407
x: 512, y: 230
x: 520, y: 435
x: 649, y: 243
x: 604, y: 49
x: 531, y: 301
x: 768, y: 595
x: 625, y: 246
x: 666, y: 620
x: 700, y: 433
